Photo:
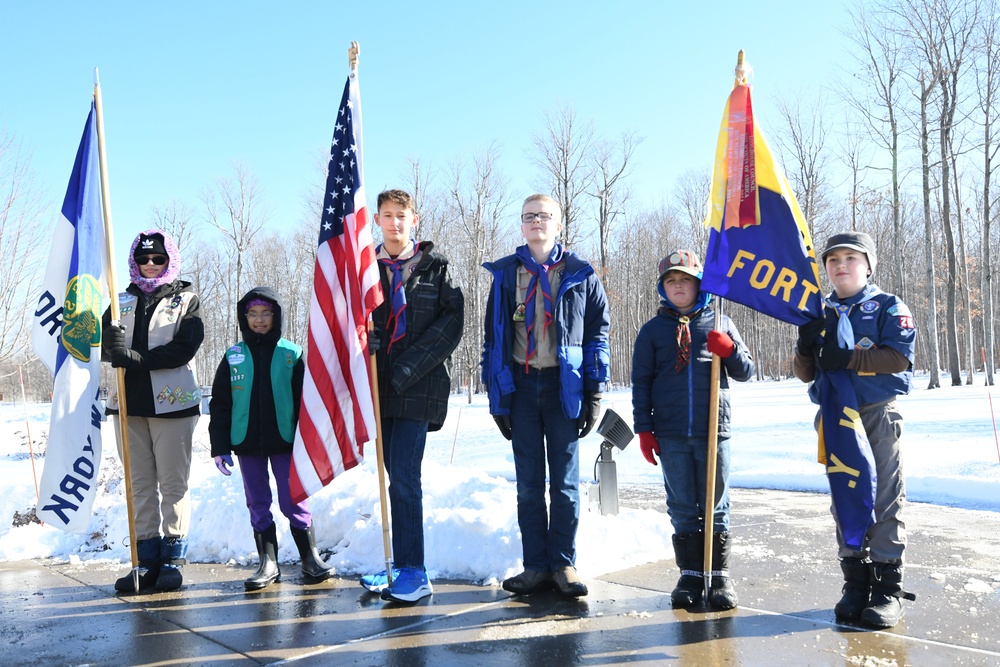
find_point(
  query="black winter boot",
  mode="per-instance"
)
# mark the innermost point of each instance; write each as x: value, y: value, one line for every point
x: 856, y: 590
x: 314, y: 570
x: 689, y: 554
x: 148, y: 553
x: 885, y: 608
x: 723, y: 594
x: 172, y: 558
x: 268, y: 570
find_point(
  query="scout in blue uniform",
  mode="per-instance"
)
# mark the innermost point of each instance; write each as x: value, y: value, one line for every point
x: 870, y: 334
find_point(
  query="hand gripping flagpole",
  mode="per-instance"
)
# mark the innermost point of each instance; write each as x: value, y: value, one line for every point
x: 352, y: 60
x: 713, y: 416
x: 122, y: 430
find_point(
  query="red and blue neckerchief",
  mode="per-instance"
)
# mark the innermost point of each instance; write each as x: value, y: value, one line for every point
x: 539, y: 278
x: 397, y: 296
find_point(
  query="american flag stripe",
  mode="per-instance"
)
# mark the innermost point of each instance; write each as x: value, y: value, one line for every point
x: 337, y: 415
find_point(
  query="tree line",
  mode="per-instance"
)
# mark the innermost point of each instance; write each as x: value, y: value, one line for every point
x: 901, y: 145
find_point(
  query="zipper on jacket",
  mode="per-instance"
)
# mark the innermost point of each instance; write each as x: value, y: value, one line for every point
x: 690, y: 374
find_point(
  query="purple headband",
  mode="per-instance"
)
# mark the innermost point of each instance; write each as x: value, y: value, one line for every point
x: 259, y: 302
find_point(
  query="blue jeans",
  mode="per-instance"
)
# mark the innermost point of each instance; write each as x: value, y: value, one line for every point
x: 257, y: 489
x: 403, y: 449
x: 541, y: 432
x: 684, y: 462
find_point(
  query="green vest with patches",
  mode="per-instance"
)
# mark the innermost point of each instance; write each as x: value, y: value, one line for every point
x: 286, y: 355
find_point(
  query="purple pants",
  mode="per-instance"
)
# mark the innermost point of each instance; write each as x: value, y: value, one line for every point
x: 257, y: 488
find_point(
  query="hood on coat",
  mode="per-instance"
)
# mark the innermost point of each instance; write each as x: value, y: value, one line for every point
x: 267, y: 294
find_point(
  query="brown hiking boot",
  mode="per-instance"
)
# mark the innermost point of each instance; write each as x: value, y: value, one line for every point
x: 568, y: 582
x: 527, y: 582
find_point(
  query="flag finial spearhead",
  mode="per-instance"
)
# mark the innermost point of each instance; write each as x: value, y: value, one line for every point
x: 743, y: 71
x: 352, y: 56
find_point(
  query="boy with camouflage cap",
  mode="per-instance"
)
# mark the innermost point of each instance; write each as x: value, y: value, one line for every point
x: 870, y: 335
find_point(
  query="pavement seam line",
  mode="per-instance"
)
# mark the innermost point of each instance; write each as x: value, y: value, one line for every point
x: 886, y: 633
x: 388, y: 633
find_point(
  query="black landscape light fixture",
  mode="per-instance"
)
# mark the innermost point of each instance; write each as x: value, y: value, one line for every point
x: 616, y: 433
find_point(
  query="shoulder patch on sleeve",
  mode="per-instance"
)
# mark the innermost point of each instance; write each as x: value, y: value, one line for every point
x: 899, y: 308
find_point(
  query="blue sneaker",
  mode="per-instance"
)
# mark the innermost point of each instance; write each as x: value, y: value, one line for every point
x: 377, y: 583
x: 411, y: 585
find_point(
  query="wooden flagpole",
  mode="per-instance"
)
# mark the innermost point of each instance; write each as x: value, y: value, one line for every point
x: 352, y: 59
x: 710, y: 467
x: 109, y: 245
x: 713, y: 420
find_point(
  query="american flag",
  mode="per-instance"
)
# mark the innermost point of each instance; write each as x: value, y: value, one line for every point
x: 337, y: 415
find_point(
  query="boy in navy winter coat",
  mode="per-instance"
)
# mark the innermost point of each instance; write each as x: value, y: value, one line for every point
x: 671, y: 377
x: 254, y: 411
x: 871, y: 339
x: 545, y: 364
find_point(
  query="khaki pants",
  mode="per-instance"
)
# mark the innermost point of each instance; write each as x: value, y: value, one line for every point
x: 886, y: 539
x: 160, y: 457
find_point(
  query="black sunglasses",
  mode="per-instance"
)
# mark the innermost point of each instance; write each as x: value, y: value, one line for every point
x: 159, y: 260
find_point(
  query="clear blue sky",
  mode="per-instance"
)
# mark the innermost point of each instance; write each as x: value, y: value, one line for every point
x: 190, y: 87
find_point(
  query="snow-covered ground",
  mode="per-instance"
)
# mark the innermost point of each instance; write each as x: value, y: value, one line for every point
x: 950, y: 457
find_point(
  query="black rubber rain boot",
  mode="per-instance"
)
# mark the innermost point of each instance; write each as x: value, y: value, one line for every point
x: 856, y: 590
x: 268, y: 570
x: 689, y: 550
x: 314, y: 570
x: 885, y: 607
x: 148, y: 553
x: 172, y: 558
x: 723, y: 593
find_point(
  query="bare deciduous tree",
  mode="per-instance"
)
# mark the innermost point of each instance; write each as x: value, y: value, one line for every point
x: 23, y: 240
x: 236, y: 207
x: 987, y: 68
x: 612, y: 164
x: 479, y: 202
x: 562, y: 154
x: 804, y: 142
x: 690, y: 196
x: 176, y: 219
x: 880, y: 51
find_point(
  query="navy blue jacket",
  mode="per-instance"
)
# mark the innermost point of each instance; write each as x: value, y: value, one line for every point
x: 668, y: 403
x: 879, y: 320
x: 581, y: 327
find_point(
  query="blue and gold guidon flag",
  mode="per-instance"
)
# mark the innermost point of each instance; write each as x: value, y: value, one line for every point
x: 760, y: 254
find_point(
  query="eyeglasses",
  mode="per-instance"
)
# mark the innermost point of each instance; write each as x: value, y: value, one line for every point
x: 159, y: 260
x: 266, y: 315
x: 530, y: 217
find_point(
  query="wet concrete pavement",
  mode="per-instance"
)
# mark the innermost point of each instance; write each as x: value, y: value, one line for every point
x: 785, y: 571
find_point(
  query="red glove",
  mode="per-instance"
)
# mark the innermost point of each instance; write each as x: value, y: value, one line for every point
x: 649, y: 446
x: 720, y: 343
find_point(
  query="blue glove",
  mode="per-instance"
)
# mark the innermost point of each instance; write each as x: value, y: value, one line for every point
x: 224, y: 463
